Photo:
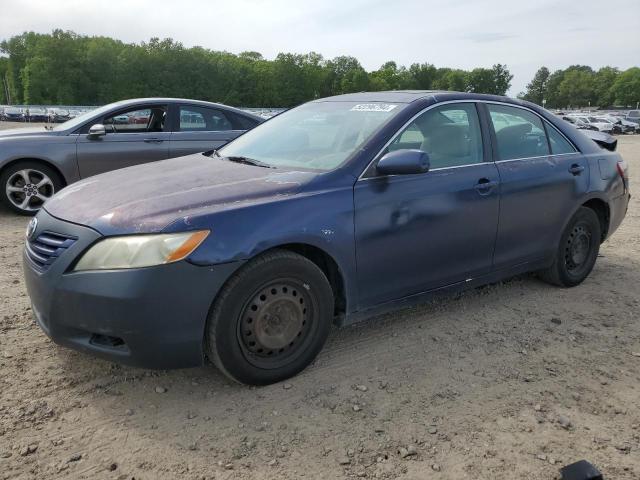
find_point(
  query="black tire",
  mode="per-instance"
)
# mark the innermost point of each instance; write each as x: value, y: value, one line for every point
x: 292, y: 302
x: 577, y: 252
x: 37, y: 171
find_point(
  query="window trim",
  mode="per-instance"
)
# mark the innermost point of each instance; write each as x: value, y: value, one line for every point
x: 489, y: 126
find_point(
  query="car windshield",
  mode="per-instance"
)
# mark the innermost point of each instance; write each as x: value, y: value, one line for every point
x: 83, y: 117
x: 316, y: 136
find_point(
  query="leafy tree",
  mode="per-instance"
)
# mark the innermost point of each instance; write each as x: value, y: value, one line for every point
x: 449, y: 79
x: 603, y: 83
x: 537, y: 88
x: 65, y: 68
x: 553, y: 96
x: 4, y: 69
x: 424, y: 75
x: 577, y: 87
x: 502, y: 79
x: 626, y: 88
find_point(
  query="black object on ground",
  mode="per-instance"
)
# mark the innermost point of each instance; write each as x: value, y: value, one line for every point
x: 581, y: 470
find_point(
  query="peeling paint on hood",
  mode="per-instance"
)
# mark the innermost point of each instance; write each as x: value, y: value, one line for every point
x: 146, y: 198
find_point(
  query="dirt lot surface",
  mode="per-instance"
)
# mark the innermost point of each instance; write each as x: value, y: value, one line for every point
x: 508, y: 381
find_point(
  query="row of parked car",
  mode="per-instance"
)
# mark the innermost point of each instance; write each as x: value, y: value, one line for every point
x: 614, y: 123
x: 38, y: 114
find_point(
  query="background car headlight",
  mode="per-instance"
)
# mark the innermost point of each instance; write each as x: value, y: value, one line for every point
x: 134, y: 251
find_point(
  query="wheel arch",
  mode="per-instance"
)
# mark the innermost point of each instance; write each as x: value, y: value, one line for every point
x: 603, y: 211
x: 329, y: 266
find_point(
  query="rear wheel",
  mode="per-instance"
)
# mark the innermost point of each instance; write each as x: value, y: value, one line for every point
x: 271, y: 319
x: 27, y: 185
x: 577, y: 252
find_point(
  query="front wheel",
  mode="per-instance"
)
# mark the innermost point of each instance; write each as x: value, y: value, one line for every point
x: 26, y: 185
x: 271, y: 319
x: 577, y: 252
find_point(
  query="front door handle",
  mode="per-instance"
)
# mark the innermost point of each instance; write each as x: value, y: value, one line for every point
x: 485, y: 186
x: 576, y: 169
x: 153, y: 140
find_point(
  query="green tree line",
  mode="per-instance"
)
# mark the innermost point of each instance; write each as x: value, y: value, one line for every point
x: 66, y: 68
x: 582, y: 86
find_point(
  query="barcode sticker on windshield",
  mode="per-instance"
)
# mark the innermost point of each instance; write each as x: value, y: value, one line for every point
x: 373, y: 107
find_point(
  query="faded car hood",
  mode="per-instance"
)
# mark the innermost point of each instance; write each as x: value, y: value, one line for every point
x: 147, y: 198
x: 25, y: 132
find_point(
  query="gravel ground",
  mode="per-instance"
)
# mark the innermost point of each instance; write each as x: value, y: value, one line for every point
x: 507, y: 381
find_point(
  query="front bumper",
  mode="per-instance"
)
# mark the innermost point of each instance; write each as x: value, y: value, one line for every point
x: 150, y: 317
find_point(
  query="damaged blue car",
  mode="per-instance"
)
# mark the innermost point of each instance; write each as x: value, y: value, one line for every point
x: 332, y: 212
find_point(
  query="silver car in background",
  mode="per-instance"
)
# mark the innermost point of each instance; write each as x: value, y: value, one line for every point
x: 37, y: 162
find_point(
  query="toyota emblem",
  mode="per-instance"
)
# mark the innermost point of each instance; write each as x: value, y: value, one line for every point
x: 31, y: 228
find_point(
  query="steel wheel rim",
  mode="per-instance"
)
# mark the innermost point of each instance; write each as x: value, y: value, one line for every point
x: 28, y: 189
x: 276, y: 324
x: 577, y: 249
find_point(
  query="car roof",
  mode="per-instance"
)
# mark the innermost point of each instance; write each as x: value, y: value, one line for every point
x: 396, y: 96
x: 158, y: 100
x: 410, y: 96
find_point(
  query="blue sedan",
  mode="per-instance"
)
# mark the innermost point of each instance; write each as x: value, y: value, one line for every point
x: 332, y: 212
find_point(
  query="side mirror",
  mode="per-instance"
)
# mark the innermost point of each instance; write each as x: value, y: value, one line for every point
x: 403, y: 162
x: 97, y: 130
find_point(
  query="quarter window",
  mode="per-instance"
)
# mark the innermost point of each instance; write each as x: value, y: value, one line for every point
x: 559, y: 144
x: 450, y: 134
x: 519, y: 133
x: 198, y: 119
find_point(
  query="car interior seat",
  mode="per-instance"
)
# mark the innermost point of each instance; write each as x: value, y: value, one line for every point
x: 512, y: 144
x: 156, y: 122
x: 447, y: 145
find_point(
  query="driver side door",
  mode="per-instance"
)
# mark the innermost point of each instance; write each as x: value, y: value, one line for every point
x: 419, y: 232
x: 133, y: 136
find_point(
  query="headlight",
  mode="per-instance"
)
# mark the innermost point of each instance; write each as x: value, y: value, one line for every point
x: 134, y: 251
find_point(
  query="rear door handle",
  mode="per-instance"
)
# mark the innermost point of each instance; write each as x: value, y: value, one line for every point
x: 153, y: 140
x: 576, y: 169
x: 485, y: 186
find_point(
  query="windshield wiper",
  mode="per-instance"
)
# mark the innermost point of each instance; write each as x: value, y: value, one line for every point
x: 248, y: 161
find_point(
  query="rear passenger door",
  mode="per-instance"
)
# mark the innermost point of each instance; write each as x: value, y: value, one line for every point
x: 198, y: 129
x: 542, y: 176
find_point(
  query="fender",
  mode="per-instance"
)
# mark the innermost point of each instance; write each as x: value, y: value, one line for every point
x: 240, y: 234
x: 583, y: 200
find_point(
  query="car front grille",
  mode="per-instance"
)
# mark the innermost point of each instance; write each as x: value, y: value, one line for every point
x: 47, y: 247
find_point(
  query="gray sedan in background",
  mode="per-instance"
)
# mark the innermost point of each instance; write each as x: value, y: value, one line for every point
x: 37, y: 162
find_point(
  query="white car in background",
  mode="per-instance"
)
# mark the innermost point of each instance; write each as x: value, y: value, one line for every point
x: 602, y: 126
x: 633, y: 116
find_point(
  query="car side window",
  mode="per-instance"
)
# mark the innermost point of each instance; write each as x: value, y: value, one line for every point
x: 519, y: 132
x: 137, y: 120
x: 202, y: 119
x: 559, y: 144
x: 450, y: 134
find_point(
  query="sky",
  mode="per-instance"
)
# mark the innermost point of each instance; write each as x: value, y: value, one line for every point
x: 523, y: 34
